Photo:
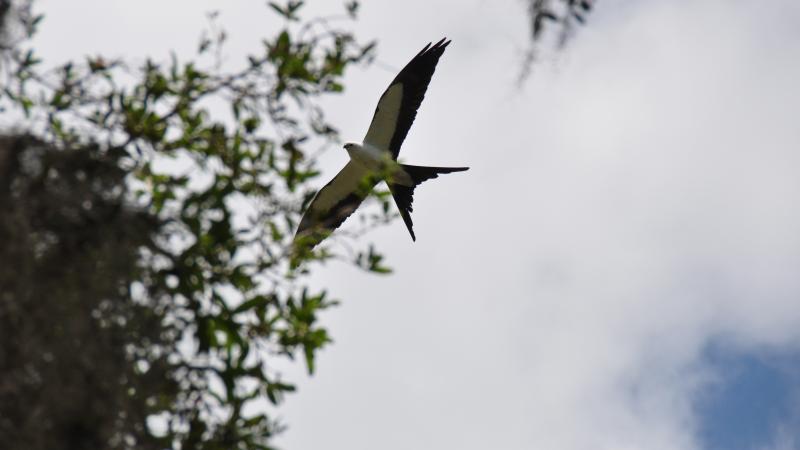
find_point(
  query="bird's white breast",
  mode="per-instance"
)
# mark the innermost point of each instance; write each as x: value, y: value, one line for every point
x: 380, y: 161
x: 368, y: 156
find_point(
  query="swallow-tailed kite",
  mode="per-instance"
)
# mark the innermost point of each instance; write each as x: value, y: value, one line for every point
x: 376, y: 158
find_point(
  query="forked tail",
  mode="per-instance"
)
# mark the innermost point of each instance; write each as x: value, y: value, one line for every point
x: 404, y: 195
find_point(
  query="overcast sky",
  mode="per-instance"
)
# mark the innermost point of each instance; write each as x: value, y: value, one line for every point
x: 620, y: 268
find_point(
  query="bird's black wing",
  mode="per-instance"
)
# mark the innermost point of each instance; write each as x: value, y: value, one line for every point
x: 398, y: 105
x: 334, y: 203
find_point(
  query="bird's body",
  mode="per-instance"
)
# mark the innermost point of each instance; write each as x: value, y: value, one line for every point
x: 375, y: 159
x: 368, y: 156
x: 379, y: 161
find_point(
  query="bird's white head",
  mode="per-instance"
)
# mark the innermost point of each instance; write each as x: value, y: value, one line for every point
x: 350, y: 147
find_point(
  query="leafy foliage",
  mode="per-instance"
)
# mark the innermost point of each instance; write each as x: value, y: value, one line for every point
x: 218, y: 163
x: 69, y: 332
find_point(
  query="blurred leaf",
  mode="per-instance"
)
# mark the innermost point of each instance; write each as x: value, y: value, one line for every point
x: 352, y: 8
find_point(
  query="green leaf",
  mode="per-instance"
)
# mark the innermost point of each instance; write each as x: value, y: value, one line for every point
x: 253, y: 303
x: 289, y: 11
x: 352, y: 8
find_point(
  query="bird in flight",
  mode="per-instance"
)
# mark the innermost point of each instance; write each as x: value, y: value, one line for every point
x: 375, y: 159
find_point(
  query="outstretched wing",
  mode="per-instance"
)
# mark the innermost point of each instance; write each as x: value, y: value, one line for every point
x: 334, y: 203
x: 398, y: 105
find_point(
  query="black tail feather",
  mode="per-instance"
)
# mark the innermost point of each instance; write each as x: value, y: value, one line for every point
x: 404, y: 195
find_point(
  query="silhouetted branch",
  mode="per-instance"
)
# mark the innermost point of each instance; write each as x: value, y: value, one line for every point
x: 552, y: 19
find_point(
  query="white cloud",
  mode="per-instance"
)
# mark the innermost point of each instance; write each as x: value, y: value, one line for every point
x: 625, y: 209
x: 784, y: 439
